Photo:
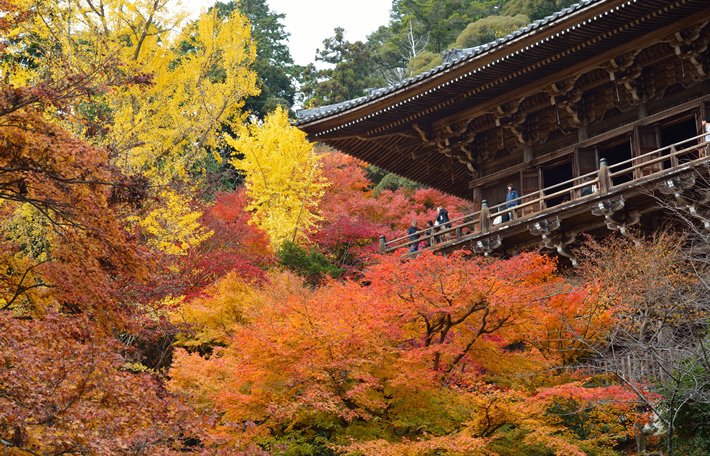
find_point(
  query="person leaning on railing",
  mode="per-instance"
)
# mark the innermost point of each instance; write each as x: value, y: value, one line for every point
x: 511, y: 200
x: 706, y: 130
x: 442, y: 218
x: 413, y: 236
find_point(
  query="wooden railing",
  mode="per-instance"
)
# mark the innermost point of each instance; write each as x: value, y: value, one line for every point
x: 634, y: 368
x: 600, y: 182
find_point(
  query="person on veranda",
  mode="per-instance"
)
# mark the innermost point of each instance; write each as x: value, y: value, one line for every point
x: 413, y: 236
x: 442, y: 219
x: 511, y: 200
x: 589, y: 189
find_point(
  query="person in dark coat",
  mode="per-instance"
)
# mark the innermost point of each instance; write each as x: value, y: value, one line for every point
x: 511, y: 199
x: 413, y: 236
x: 442, y: 218
x: 502, y: 218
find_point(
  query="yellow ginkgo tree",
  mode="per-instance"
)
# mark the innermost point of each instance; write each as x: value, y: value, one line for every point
x: 283, y: 177
x: 172, y: 226
x: 198, y: 83
x: 161, y: 89
x: 163, y: 86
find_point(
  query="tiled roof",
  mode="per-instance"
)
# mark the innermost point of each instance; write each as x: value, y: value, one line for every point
x: 450, y: 57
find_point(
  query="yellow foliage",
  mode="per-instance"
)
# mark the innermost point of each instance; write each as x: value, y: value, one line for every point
x: 24, y: 226
x: 172, y: 227
x: 173, y: 121
x: 453, y: 445
x: 215, y: 313
x: 192, y: 79
x: 29, y: 228
x: 283, y: 177
x: 136, y: 367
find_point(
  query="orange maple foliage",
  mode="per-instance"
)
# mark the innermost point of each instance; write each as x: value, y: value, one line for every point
x: 63, y: 241
x: 347, y: 229
x: 399, y: 365
x: 68, y: 263
x: 69, y: 391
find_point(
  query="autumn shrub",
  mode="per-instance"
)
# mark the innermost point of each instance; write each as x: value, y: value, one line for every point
x: 311, y: 264
x: 413, y: 363
x: 394, y: 182
x: 66, y: 389
x: 693, y: 445
x: 511, y: 441
x: 655, y: 290
x: 589, y: 423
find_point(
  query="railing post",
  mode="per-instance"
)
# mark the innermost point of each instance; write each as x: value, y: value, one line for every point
x: 674, y: 158
x: 383, y: 244
x: 484, y: 216
x: 604, y: 182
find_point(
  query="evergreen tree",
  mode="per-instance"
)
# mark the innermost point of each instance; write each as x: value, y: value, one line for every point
x: 350, y: 72
x: 274, y: 64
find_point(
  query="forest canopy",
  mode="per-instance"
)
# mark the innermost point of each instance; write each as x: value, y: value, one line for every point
x: 183, y: 273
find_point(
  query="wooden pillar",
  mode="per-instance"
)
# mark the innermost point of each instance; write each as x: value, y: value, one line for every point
x: 604, y: 181
x: 527, y: 154
x: 485, y: 213
x: 583, y: 133
x: 643, y: 110
x: 383, y: 244
x: 477, y: 198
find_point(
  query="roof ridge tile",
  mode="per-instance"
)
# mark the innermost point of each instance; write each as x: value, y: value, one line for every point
x: 306, y: 115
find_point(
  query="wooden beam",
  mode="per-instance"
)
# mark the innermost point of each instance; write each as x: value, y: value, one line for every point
x: 422, y: 152
x: 539, y: 161
x: 407, y: 144
x: 590, y: 64
x: 461, y: 69
x: 361, y: 137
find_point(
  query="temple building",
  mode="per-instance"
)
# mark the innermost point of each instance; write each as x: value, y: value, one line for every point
x: 591, y: 114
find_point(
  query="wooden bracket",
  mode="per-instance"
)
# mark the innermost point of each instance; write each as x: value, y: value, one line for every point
x: 554, y: 240
x: 615, y: 220
x: 608, y: 206
x: 487, y: 245
x: 692, y: 45
x: 627, y: 71
x: 680, y: 185
x: 677, y: 186
x: 424, y: 134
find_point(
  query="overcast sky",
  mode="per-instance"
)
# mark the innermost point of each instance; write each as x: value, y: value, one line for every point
x: 311, y: 21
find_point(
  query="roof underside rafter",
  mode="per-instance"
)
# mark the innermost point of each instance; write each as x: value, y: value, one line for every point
x: 597, y: 59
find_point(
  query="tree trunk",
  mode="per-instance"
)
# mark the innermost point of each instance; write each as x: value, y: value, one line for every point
x: 638, y: 432
x: 670, y: 428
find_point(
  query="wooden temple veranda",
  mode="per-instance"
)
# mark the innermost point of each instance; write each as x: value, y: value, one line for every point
x: 605, y: 97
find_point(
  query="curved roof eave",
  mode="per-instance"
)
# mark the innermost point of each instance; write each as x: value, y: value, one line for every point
x: 452, y: 58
